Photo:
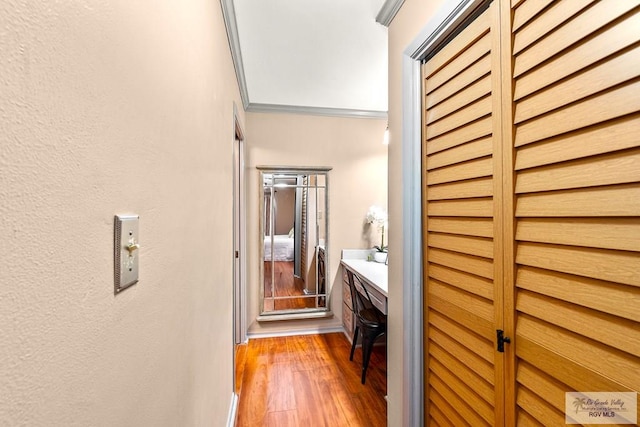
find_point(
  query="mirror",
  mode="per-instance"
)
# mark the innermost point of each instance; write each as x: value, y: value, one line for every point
x: 294, y: 241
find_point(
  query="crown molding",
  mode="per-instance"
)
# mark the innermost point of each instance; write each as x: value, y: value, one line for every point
x: 388, y: 11
x: 229, y: 15
x: 315, y: 111
x: 285, y: 169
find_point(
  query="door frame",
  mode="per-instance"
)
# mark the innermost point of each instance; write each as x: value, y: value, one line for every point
x: 239, y: 234
x: 445, y: 22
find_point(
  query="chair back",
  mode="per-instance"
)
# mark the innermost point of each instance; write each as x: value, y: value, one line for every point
x: 362, y: 302
x: 321, y: 273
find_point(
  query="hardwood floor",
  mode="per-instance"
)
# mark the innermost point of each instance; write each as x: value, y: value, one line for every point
x: 309, y: 381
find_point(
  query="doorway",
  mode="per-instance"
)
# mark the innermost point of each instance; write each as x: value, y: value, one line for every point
x: 239, y: 255
x: 239, y: 235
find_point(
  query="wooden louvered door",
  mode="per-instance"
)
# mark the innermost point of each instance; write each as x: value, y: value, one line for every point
x: 531, y: 211
x: 463, y: 383
x: 577, y: 201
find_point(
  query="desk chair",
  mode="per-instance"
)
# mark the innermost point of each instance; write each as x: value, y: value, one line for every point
x: 369, y: 322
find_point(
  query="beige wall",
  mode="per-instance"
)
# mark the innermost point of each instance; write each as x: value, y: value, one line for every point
x: 107, y: 108
x: 285, y: 210
x: 353, y: 148
x: 405, y: 27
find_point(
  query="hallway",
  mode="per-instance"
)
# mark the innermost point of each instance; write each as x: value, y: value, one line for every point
x: 309, y: 381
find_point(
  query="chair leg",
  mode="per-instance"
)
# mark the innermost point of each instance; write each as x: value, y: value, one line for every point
x: 354, y: 342
x: 367, y: 348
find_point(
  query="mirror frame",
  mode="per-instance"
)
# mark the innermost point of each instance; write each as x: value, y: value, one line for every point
x: 301, y: 313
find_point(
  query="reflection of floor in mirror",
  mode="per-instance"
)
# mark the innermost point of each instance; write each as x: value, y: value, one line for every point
x: 284, y: 283
x: 289, y: 303
x: 284, y: 286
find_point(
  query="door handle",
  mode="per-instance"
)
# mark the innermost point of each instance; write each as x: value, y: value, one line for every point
x: 501, y: 340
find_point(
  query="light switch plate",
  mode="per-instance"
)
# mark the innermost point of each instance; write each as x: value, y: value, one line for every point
x: 126, y: 251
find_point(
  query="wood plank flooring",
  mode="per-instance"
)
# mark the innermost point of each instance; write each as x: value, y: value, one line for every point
x: 309, y: 381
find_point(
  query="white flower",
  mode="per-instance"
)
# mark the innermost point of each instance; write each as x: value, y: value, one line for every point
x: 376, y: 215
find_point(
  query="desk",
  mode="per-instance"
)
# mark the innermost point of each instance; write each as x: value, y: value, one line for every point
x: 371, y: 275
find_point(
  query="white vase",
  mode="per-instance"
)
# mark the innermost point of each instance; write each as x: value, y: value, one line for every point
x: 380, y: 256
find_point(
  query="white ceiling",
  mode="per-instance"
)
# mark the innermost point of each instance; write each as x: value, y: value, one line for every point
x: 310, y: 55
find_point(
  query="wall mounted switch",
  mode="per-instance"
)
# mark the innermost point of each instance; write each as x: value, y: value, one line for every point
x: 126, y: 251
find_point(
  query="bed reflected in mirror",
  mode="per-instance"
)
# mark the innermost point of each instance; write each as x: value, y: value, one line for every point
x: 293, y: 206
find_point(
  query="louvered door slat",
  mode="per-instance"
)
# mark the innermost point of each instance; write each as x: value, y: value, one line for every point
x: 468, y: 76
x: 613, y: 201
x: 526, y: 11
x: 462, y: 335
x: 531, y: 175
x: 480, y: 367
x: 572, y: 31
x: 475, y: 168
x: 462, y: 153
x: 525, y: 420
x: 448, y: 402
x: 472, y: 112
x: 460, y: 183
x: 601, y: 44
x: 619, y: 233
x: 470, y: 132
x: 615, y: 266
x: 607, y: 105
x: 474, y: 208
x: 608, y: 75
x: 464, y: 244
x: 471, y: 283
x: 606, y: 297
x: 556, y: 365
x: 577, y: 206
x: 481, y: 227
x: 481, y: 387
x: 459, y: 64
x: 610, y: 169
x: 438, y: 419
x: 481, y: 187
x: 595, y: 357
x: 542, y: 385
x: 604, y: 138
x: 467, y: 394
x: 579, y: 320
x: 558, y: 13
x: 475, y: 91
x: 539, y: 408
x: 458, y: 47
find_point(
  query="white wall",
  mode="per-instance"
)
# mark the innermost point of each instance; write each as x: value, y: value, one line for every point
x: 107, y: 108
x: 353, y: 147
x: 337, y: 56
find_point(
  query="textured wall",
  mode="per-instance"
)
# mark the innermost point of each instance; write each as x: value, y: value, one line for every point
x: 405, y: 27
x: 106, y: 108
x: 353, y: 147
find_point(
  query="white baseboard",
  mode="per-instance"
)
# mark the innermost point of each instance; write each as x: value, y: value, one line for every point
x: 290, y: 333
x: 233, y: 410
